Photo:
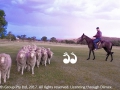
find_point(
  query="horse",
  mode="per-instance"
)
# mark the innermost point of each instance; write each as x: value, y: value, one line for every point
x: 106, y: 45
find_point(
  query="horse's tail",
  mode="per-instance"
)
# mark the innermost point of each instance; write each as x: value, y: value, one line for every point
x: 111, y: 47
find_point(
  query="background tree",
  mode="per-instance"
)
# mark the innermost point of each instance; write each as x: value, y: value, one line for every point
x: 9, y: 35
x: 53, y: 39
x: 29, y: 38
x: 13, y: 37
x: 116, y: 42
x: 3, y: 24
x: 33, y: 38
x: 23, y: 37
x: 18, y: 36
x: 44, y: 38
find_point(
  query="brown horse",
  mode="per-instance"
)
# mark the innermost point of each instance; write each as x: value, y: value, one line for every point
x: 104, y: 44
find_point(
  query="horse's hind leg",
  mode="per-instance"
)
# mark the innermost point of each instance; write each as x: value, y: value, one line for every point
x: 89, y: 54
x: 111, y: 56
x: 107, y: 56
x: 107, y: 53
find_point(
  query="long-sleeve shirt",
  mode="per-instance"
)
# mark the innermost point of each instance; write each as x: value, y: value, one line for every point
x: 98, y: 34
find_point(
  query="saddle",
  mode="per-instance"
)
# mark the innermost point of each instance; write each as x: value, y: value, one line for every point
x: 99, y: 44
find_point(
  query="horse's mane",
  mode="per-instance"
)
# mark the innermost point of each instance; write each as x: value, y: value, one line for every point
x: 88, y: 37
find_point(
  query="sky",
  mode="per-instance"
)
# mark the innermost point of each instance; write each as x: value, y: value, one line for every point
x: 63, y: 19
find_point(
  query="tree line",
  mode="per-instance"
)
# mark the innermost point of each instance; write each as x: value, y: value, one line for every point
x: 11, y: 37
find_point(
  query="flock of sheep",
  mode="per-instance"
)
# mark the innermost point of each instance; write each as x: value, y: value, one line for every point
x: 28, y: 56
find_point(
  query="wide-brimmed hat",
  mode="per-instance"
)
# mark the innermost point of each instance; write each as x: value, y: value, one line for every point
x: 97, y: 28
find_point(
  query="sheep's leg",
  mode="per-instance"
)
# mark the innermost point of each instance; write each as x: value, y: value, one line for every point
x: 48, y: 61
x: 4, y: 78
x: 45, y: 62
x: 28, y: 67
x: 41, y: 62
x: 8, y: 74
x: 38, y: 63
x: 22, y: 70
x: 32, y: 69
x: 0, y: 77
x: 25, y: 66
x: 18, y: 68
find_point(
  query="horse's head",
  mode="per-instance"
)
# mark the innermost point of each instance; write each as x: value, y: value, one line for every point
x: 80, y: 39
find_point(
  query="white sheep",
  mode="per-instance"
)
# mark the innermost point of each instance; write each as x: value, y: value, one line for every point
x: 24, y: 48
x: 21, y: 61
x: 28, y: 47
x: 38, y: 56
x: 44, y: 56
x: 31, y: 60
x: 5, y: 66
x: 50, y: 55
x: 33, y: 47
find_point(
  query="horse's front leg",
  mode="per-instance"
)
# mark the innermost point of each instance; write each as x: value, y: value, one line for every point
x: 93, y: 55
x: 89, y: 54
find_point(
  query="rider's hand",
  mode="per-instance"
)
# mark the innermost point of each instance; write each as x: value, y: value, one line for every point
x: 93, y: 38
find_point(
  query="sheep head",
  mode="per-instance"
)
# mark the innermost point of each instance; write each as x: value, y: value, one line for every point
x: 44, y: 51
x: 2, y: 60
x: 32, y: 54
x: 48, y: 49
x: 22, y: 54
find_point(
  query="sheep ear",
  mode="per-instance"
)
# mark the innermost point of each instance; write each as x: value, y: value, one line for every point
x: 83, y: 34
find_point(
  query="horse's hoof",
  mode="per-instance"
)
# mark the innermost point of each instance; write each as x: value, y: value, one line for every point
x: 88, y: 58
x: 111, y: 60
x: 93, y: 58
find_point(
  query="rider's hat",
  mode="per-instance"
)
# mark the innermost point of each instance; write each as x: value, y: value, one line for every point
x: 97, y: 28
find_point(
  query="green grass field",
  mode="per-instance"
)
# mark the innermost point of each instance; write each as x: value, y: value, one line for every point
x: 87, y: 73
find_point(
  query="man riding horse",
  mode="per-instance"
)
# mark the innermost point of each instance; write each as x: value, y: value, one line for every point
x: 98, y: 38
x: 92, y: 44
